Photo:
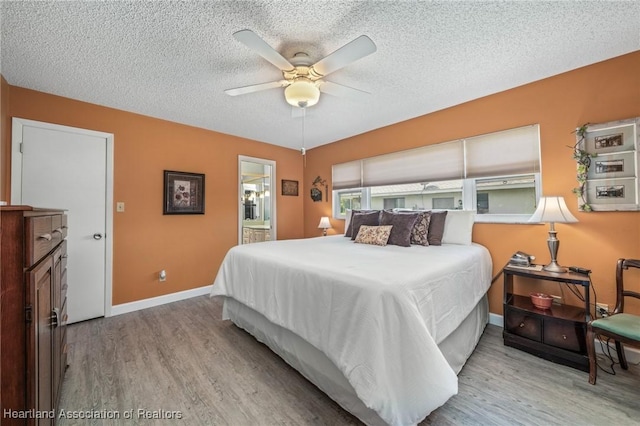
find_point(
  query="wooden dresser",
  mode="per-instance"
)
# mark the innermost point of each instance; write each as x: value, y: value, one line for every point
x: 33, y: 313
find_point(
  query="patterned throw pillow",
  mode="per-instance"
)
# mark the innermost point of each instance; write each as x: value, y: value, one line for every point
x: 420, y: 232
x: 376, y: 235
x: 370, y: 218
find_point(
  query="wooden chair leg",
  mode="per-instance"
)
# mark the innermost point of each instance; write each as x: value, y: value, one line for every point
x: 591, y: 350
x: 621, y: 356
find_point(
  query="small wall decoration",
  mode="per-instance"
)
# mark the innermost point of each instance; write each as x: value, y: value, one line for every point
x: 183, y: 193
x: 290, y: 187
x: 316, y: 191
x: 608, y: 155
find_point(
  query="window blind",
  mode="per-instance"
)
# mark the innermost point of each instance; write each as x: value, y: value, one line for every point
x: 347, y: 175
x: 510, y: 152
x: 443, y: 161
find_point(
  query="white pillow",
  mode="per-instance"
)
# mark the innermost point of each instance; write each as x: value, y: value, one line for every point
x: 347, y: 220
x: 458, y: 227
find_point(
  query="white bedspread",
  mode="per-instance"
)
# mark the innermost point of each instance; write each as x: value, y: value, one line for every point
x: 376, y: 312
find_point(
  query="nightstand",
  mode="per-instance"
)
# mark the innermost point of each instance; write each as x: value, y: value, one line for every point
x: 556, y: 334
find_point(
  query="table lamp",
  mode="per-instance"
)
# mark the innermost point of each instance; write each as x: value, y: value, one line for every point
x: 553, y: 210
x: 324, y: 224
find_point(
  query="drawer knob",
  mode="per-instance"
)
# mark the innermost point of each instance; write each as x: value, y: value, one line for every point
x: 55, y: 317
x: 45, y: 237
x: 564, y: 336
x: 522, y: 325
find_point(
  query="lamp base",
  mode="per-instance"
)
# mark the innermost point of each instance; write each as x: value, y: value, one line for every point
x: 554, y: 267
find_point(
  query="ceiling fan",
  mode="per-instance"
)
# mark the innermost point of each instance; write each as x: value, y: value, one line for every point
x: 303, y: 80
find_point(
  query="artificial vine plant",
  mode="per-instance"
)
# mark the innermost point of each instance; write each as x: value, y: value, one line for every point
x: 583, y: 158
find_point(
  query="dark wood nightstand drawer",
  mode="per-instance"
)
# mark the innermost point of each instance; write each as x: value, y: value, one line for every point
x: 565, y: 334
x: 523, y: 324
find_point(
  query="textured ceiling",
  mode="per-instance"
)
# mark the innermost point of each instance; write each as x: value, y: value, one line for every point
x: 173, y: 60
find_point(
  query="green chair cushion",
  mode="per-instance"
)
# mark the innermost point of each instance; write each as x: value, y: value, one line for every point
x: 622, y: 324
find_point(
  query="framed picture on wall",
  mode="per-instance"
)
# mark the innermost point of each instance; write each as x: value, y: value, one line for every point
x: 612, y: 181
x: 290, y: 187
x: 183, y: 193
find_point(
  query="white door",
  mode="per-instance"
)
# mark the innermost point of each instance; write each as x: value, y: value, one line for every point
x: 66, y: 168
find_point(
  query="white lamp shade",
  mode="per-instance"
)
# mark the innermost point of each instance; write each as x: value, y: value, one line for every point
x: 302, y: 93
x: 324, y: 222
x: 552, y: 210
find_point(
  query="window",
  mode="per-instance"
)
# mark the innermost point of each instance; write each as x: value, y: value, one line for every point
x: 348, y: 200
x: 503, y: 167
x: 390, y: 203
x: 509, y: 195
x: 444, y: 203
x: 482, y: 202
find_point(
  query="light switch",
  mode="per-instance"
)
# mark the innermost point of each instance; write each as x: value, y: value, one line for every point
x: 120, y: 207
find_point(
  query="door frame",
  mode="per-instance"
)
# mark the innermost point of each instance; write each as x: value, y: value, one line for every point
x: 273, y: 221
x: 17, y: 125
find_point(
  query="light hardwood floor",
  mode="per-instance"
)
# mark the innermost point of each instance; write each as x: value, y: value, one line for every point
x: 182, y: 357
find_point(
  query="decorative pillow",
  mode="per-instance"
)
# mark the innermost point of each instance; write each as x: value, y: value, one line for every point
x: 420, y: 232
x: 436, y: 228
x: 458, y: 227
x: 358, y: 219
x: 402, y: 226
x: 348, y: 224
x: 376, y: 235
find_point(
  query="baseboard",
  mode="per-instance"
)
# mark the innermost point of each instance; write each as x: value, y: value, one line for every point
x: 160, y: 300
x: 495, y: 319
x: 632, y: 354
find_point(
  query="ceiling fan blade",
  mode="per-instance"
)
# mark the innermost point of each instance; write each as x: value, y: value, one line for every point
x: 254, y: 42
x: 256, y: 88
x: 339, y: 90
x: 350, y: 52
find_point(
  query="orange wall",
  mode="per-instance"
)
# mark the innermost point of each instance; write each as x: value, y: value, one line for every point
x: 189, y: 247
x: 602, y: 92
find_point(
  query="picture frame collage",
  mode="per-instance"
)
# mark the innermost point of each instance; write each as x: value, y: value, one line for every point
x: 612, y: 178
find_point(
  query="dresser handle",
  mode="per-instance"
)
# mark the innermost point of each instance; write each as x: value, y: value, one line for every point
x: 58, y: 230
x: 564, y: 336
x: 45, y: 237
x: 55, y: 317
x: 522, y: 325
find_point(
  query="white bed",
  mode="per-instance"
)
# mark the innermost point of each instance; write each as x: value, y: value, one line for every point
x: 382, y: 330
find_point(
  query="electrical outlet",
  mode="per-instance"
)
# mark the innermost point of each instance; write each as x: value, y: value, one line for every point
x: 557, y: 300
x: 602, y: 310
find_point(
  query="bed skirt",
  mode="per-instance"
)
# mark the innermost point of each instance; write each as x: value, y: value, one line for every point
x: 316, y: 367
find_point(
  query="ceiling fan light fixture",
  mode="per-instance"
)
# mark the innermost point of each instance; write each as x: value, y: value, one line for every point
x: 302, y: 93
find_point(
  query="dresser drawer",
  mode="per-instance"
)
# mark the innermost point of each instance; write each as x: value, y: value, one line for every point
x: 523, y: 324
x: 565, y: 334
x: 39, y: 239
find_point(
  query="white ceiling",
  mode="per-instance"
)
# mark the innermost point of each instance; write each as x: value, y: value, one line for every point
x: 173, y: 60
